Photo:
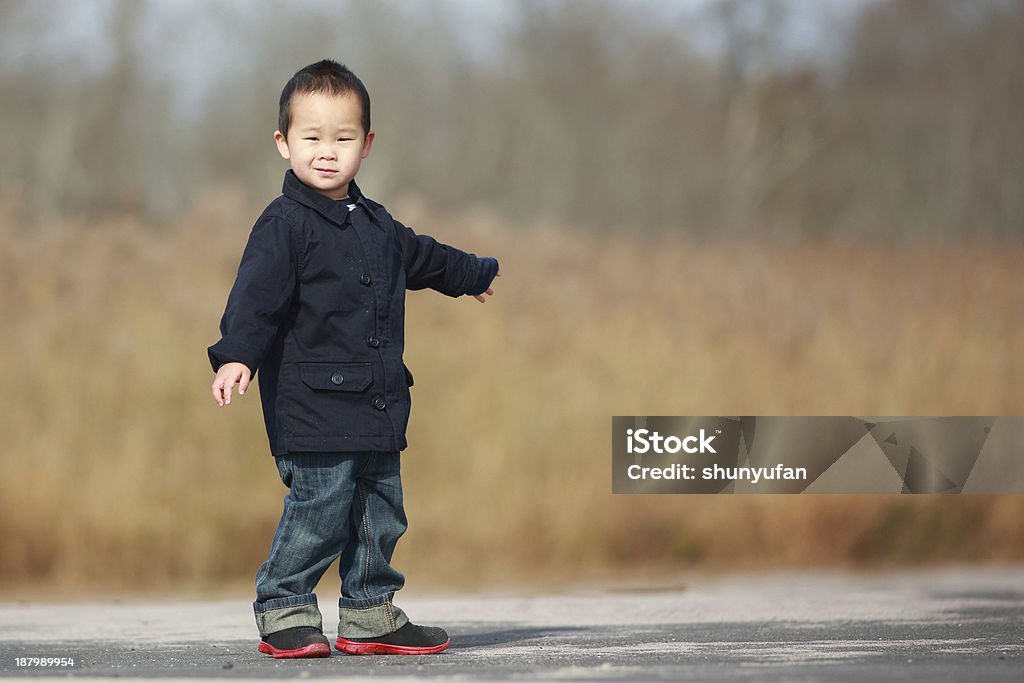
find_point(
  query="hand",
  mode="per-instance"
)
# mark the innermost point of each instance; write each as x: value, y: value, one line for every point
x: 489, y: 292
x: 227, y: 376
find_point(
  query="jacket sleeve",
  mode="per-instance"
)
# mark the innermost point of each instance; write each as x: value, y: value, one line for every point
x: 429, y: 263
x: 260, y: 298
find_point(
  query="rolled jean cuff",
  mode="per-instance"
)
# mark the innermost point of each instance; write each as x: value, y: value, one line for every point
x: 280, y: 613
x: 369, y: 618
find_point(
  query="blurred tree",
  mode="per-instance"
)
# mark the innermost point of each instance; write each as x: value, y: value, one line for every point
x: 904, y: 124
x: 936, y: 94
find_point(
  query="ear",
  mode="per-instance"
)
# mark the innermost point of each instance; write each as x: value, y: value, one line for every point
x: 367, y: 144
x: 282, y: 144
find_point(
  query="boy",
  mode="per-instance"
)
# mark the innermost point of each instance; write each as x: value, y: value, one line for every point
x: 318, y: 308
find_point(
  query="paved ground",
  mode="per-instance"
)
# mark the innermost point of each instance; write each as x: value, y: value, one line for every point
x: 950, y: 625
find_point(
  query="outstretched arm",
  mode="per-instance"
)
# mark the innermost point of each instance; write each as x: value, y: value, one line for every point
x: 431, y: 264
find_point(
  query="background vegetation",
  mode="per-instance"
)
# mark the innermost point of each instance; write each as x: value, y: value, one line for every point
x: 840, y: 119
x: 697, y: 211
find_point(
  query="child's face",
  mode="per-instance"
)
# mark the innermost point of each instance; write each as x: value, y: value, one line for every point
x: 325, y: 142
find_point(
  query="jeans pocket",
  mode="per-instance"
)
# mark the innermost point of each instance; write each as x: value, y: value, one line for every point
x: 284, y: 468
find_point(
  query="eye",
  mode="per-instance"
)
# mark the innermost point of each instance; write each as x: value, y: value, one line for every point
x: 344, y: 139
x: 311, y: 138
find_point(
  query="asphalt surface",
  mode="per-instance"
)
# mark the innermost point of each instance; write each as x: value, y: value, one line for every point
x: 963, y: 624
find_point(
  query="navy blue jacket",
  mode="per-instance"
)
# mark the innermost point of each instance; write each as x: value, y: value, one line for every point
x: 318, y: 310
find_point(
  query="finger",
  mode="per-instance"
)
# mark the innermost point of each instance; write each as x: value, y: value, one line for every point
x: 217, y: 392
x: 229, y: 384
x: 479, y: 298
x: 243, y: 383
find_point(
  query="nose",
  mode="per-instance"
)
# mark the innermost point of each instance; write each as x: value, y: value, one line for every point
x: 326, y: 153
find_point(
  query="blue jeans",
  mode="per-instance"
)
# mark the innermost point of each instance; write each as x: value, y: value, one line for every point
x: 339, y: 504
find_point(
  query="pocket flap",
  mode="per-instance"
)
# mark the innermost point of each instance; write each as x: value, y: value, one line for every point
x: 336, y: 376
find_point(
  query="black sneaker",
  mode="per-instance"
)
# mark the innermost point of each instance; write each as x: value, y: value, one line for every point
x: 295, y: 642
x: 408, y: 640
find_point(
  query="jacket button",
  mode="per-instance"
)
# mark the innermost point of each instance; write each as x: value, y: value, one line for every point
x: 365, y: 278
x: 337, y: 378
x: 379, y: 403
x: 373, y: 341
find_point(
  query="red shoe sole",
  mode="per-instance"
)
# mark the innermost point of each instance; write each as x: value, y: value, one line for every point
x: 314, y: 650
x: 352, y: 648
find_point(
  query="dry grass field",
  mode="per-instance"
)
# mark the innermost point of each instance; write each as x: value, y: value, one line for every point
x: 119, y: 471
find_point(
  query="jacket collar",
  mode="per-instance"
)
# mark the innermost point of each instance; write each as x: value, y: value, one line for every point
x: 332, y: 210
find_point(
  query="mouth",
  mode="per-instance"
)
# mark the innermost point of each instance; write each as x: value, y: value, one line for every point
x: 326, y: 172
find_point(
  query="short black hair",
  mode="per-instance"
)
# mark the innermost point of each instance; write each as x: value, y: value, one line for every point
x: 327, y: 77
